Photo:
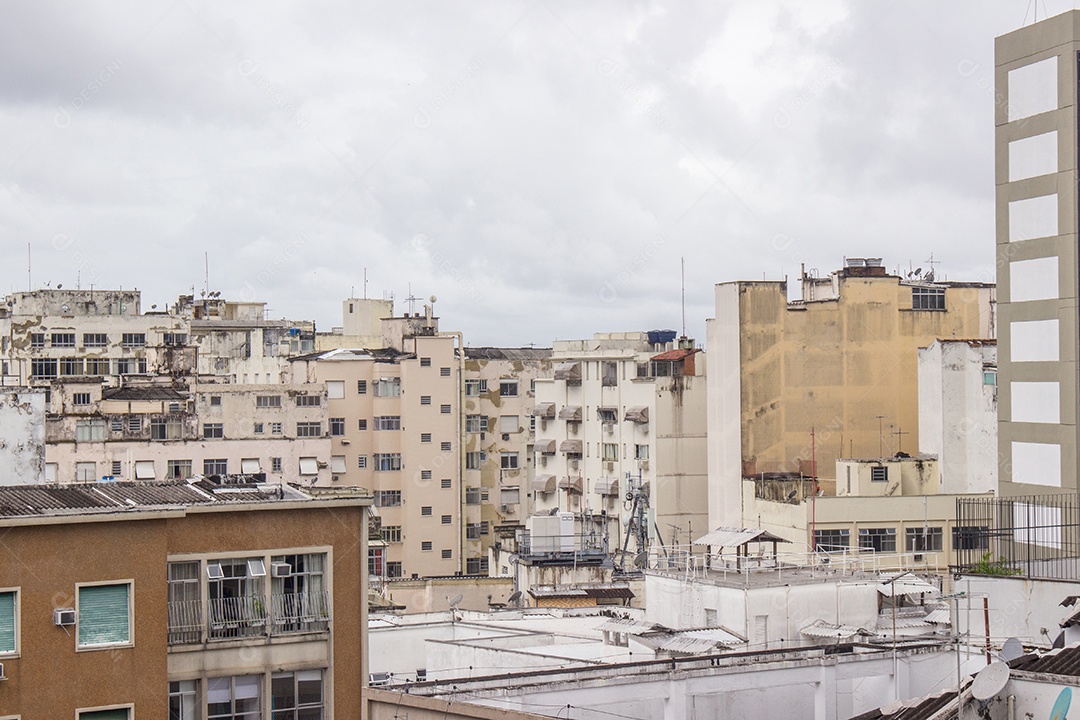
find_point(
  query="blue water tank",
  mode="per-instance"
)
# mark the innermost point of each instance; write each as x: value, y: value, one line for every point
x: 661, y: 337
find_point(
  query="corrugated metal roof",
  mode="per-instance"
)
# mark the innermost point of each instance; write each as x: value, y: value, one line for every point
x: 906, y: 584
x: 497, y: 353
x: 730, y: 537
x: 629, y: 627
x: 939, y: 615
x: 610, y: 593
x: 143, y: 393
x: 822, y: 629
x: 923, y: 708
x: 1063, y: 661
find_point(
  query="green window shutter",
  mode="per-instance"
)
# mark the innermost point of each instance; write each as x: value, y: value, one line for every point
x: 7, y: 622
x: 121, y: 714
x: 103, y: 615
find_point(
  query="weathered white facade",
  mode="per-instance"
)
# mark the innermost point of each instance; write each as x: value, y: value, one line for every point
x: 22, y: 436
x: 958, y: 414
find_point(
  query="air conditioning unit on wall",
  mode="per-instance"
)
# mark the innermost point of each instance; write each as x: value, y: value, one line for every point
x: 63, y: 617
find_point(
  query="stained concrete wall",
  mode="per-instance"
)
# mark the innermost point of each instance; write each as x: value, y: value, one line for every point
x: 22, y: 436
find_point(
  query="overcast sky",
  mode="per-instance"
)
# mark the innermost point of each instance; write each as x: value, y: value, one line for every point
x: 541, y: 167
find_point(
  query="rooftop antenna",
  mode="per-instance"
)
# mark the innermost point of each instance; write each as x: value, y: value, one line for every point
x: 365, y: 283
x: 411, y: 299
x: 29, y: 277
x: 682, y: 261
x: 206, y: 263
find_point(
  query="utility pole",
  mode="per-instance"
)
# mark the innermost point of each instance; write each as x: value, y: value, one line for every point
x: 880, y: 430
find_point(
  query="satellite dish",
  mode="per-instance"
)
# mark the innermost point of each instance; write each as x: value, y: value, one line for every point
x: 456, y: 600
x: 990, y: 681
x: 1061, y: 707
x: 433, y: 298
x: 791, y: 495
x: 59, y: 285
x: 1012, y: 649
x: 514, y: 596
x: 641, y: 559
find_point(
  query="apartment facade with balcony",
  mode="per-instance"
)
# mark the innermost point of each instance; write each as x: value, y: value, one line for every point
x: 620, y: 438
x: 183, y: 600
x: 500, y: 396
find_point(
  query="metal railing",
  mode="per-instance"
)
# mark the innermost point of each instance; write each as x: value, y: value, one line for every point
x: 248, y: 616
x: 301, y: 612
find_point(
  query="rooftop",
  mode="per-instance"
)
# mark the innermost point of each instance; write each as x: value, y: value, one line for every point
x: 497, y: 353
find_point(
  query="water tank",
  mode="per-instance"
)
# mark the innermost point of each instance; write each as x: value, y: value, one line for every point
x: 661, y: 337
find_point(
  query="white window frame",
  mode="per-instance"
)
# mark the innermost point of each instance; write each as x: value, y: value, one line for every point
x: 130, y: 582
x: 130, y: 707
x: 17, y: 652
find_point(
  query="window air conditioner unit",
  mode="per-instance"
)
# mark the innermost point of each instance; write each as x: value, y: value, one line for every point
x: 281, y: 569
x: 609, y: 428
x: 543, y: 461
x: 574, y: 464
x: 63, y: 617
x: 611, y: 467
x: 334, y: 478
x: 483, y: 436
x: 505, y: 508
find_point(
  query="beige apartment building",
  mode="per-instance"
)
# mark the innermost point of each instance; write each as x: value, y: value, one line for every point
x: 395, y: 428
x: 500, y: 395
x: 841, y: 361
x: 621, y: 442
x: 147, y: 430
x: 1036, y: 176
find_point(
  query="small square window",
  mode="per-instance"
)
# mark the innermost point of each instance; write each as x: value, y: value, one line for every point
x: 425, y: 474
x: 215, y: 401
x: 426, y: 546
x: 444, y: 372
x: 361, y: 387
x: 425, y: 399
x: 446, y: 483
x: 80, y: 399
x: 425, y: 362
x: 275, y: 428
x: 447, y: 554
x: 879, y: 474
x: 508, y: 388
x: 425, y: 437
x: 447, y: 519
x: 117, y: 468
x: 425, y: 511
x: 361, y: 424
x: 103, y: 615
x: 444, y: 409
x: 258, y: 428
x: 275, y: 464
x: 361, y: 461
x: 445, y: 447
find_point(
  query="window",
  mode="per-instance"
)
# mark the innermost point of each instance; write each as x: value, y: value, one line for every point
x: 361, y: 461
x: 117, y: 468
x: 425, y: 437
x: 509, y: 424
x: 927, y: 298
x: 95, y: 340
x: 297, y: 695
x: 446, y: 483
x: 508, y: 388
x: 394, y: 569
x: 172, y: 338
x: 476, y: 423
x: 337, y: 426
x: 215, y: 401
x: 476, y: 566
x: 308, y: 429
x: 267, y: 401
x: 97, y: 366
x: 989, y: 377
x: 971, y: 538
x: 129, y: 340
x: 275, y: 464
x: 388, y: 387
x: 212, y: 431
x: 475, y: 460
x: 134, y: 423
x: 116, y: 424
x: 234, y: 698
x: 71, y: 366
x: 85, y: 472
x: 120, y: 713
x: 65, y: 340
x: 641, y: 452
x: 361, y: 424
x: 610, y: 451
x: 425, y: 399
x: 445, y: 447
x: 425, y: 362
x: 103, y: 614
x: 878, y: 539
x: 257, y: 428
x: 80, y: 399
x: 510, y: 496
x: 309, y: 466
x: 275, y: 428
x: 425, y: 511
x: 335, y: 389
x: 923, y: 539
x: 183, y: 700
x: 165, y: 429
x: 879, y: 474
x: 472, y: 496
x: 130, y: 366
x: 426, y: 546
x: 475, y: 387
x: 388, y: 422
x: 508, y: 460
x: 178, y: 469
x: 444, y: 409
x: 217, y: 466
x: 607, y: 414
x: 308, y: 400
x: 9, y: 622
x: 43, y: 367
x: 832, y: 540
x: 387, y: 498
x: 447, y: 554
x: 387, y: 461
x: 609, y: 374
x: 361, y: 387
x: 37, y: 340
x: 90, y: 430
x: 444, y: 372
x: 425, y: 474
x: 391, y: 533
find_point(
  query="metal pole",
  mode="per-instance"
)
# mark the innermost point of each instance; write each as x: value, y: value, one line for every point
x: 986, y: 622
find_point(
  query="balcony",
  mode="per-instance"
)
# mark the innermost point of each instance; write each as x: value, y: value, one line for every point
x: 248, y: 616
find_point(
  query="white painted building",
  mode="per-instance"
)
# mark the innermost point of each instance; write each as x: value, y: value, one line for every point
x: 22, y: 436
x: 958, y: 413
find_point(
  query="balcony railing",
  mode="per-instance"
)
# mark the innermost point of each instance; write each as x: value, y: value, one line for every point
x: 248, y: 616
